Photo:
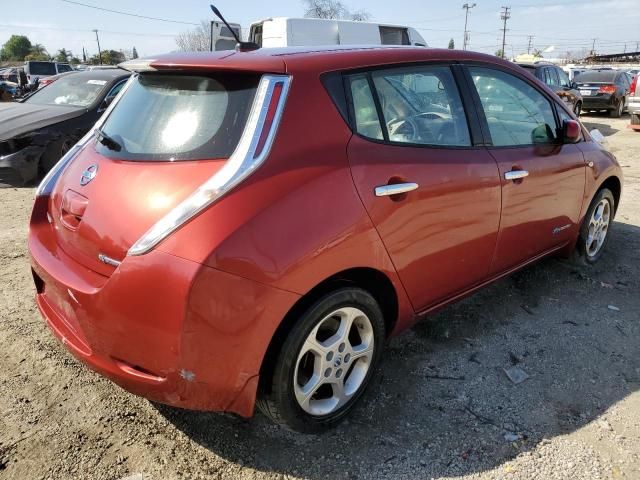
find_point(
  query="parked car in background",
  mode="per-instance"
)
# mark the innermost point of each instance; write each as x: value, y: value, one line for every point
x: 634, y: 104
x: 572, y: 72
x: 604, y: 89
x: 37, y: 70
x: 47, y: 80
x: 285, y: 31
x: 200, y: 248
x: 558, y: 81
x: 37, y: 131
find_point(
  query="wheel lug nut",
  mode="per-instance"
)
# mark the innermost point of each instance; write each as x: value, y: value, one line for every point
x: 329, y: 356
x: 341, y: 347
x: 339, y: 373
x: 327, y: 372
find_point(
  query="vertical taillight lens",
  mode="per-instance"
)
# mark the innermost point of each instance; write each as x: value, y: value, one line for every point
x: 634, y: 84
x: 268, y: 121
x: 252, y: 149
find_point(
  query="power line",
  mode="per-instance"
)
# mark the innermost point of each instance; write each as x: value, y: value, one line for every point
x: 129, y: 14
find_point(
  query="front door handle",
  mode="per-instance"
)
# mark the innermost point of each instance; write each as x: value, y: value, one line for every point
x: 516, y: 174
x: 395, y: 189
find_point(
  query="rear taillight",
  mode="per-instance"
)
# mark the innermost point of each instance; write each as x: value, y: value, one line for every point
x: 607, y: 89
x: 268, y: 121
x: 634, y: 84
x: 253, y: 148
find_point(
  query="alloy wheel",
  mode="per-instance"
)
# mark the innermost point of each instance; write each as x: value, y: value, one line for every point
x: 598, y: 227
x: 333, y: 362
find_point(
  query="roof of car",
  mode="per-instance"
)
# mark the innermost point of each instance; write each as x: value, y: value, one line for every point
x: 320, y: 59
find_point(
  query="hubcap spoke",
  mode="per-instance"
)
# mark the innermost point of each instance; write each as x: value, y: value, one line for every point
x: 329, y: 369
x: 598, y: 227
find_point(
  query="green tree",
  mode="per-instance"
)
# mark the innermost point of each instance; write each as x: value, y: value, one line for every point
x: 452, y: 44
x: 134, y: 53
x: 16, y: 48
x: 63, y: 56
x: 109, y: 57
x: 74, y: 61
x: 38, y: 53
x: 499, y: 53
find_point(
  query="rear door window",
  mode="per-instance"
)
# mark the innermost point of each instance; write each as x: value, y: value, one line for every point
x: 564, y: 79
x: 166, y: 117
x: 516, y: 112
x: 419, y: 105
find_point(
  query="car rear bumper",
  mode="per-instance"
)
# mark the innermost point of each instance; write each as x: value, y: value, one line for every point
x: 599, y: 103
x: 160, y: 326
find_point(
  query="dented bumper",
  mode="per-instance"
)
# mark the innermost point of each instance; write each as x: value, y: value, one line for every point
x: 20, y: 167
x: 162, y: 327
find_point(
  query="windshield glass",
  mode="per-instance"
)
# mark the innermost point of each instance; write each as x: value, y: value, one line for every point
x: 179, y: 117
x: 63, y: 67
x: 42, y: 68
x: 75, y: 90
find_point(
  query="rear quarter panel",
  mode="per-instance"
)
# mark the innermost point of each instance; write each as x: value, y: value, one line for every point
x: 298, y: 219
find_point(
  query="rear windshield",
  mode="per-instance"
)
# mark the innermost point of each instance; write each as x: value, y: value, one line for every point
x: 608, y: 76
x: 165, y: 117
x: 42, y: 68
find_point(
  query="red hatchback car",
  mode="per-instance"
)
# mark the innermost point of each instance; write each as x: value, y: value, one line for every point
x: 249, y: 228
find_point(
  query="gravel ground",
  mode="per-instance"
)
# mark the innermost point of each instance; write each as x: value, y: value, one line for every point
x: 443, y: 408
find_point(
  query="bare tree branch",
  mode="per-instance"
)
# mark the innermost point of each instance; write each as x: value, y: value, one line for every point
x: 195, y: 40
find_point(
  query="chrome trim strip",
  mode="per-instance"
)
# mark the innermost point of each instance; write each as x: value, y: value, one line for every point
x: 516, y: 174
x: 108, y: 260
x: 396, y: 189
x: 236, y: 169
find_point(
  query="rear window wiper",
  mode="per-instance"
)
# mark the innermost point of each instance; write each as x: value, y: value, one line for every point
x: 107, y: 141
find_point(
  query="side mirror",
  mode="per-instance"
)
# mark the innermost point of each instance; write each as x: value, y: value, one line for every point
x: 572, y: 132
x: 105, y: 104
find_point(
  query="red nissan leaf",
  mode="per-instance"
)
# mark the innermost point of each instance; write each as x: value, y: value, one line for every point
x: 249, y: 228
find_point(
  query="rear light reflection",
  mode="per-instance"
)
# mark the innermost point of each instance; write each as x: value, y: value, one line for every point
x: 634, y: 84
x: 607, y: 89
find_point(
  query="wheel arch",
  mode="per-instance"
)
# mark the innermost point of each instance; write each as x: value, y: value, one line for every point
x: 372, y: 280
x: 614, y: 184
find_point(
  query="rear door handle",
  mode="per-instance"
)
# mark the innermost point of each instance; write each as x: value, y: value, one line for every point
x: 395, y: 189
x: 516, y: 174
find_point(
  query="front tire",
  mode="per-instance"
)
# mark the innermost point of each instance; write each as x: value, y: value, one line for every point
x: 326, y: 362
x: 577, y: 109
x: 594, y: 232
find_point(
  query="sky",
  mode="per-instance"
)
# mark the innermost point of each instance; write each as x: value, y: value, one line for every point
x: 555, y: 26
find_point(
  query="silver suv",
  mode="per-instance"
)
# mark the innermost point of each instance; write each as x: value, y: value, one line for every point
x: 634, y: 103
x: 36, y: 70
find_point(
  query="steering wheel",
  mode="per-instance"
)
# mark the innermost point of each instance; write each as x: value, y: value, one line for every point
x: 403, y: 126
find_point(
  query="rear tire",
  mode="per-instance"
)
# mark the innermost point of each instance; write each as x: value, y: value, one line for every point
x: 594, y: 232
x: 326, y: 362
x: 617, y: 112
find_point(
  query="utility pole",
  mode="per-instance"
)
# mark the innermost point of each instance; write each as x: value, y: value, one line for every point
x: 504, y: 16
x: 99, y: 52
x: 211, y: 37
x: 465, y: 40
x: 530, y: 44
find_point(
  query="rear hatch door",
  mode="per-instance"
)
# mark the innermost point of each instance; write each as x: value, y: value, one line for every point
x: 167, y: 135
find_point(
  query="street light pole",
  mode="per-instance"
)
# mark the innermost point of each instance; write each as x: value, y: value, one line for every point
x: 99, y: 52
x: 466, y: 6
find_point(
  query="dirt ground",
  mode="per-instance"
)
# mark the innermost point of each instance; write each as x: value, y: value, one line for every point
x: 443, y: 407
